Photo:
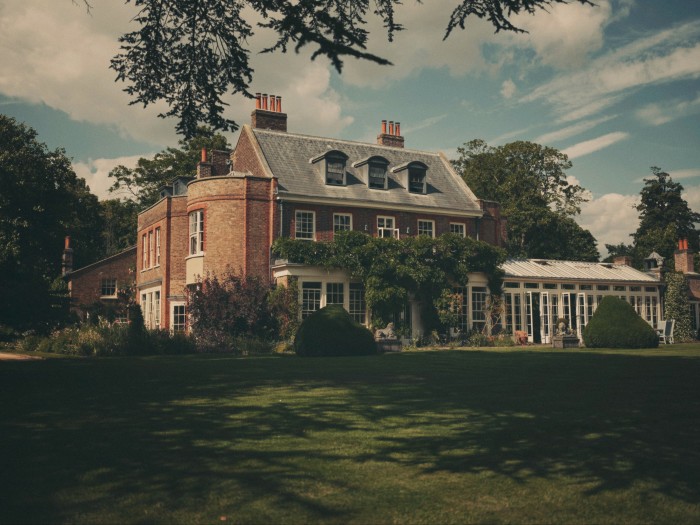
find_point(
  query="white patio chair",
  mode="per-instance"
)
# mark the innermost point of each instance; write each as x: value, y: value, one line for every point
x: 661, y: 330
x: 667, y: 335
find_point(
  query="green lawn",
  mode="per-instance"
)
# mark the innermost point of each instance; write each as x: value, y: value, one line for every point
x: 525, y: 436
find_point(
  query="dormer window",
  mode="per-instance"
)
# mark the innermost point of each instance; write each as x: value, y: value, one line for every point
x: 373, y: 171
x: 414, y: 176
x: 335, y: 171
x: 377, y: 176
x: 416, y: 179
x: 332, y: 167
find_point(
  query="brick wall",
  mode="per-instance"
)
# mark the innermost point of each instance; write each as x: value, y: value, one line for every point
x: 406, y: 222
x: 245, y: 157
x: 86, y: 283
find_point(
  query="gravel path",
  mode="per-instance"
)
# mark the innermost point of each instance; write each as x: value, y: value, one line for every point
x: 6, y: 356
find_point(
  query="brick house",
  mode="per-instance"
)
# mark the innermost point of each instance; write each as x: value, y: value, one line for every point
x: 276, y: 183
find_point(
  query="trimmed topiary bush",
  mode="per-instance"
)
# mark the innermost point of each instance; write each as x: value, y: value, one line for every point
x: 331, y: 331
x: 615, y: 324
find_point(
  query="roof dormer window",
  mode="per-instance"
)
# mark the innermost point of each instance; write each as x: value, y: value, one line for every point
x: 377, y: 176
x: 373, y: 171
x: 335, y: 171
x: 332, y: 167
x: 414, y: 176
x: 416, y: 179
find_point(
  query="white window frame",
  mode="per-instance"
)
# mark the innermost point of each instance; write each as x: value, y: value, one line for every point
x: 158, y: 246
x: 144, y: 252
x: 460, y: 226
x: 112, y: 284
x: 297, y: 222
x: 174, y: 316
x: 385, y: 230
x: 151, y: 250
x: 344, y: 215
x: 423, y: 223
x: 196, y: 229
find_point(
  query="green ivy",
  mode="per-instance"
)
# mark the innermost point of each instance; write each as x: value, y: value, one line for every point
x: 394, y: 269
x: 677, y: 306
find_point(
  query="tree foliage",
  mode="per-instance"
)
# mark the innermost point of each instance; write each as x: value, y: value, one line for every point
x: 664, y: 217
x: 191, y: 54
x: 144, y: 182
x: 42, y: 200
x: 120, y: 224
x: 677, y: 306
x: 529, y: 181
x: 392, y: 270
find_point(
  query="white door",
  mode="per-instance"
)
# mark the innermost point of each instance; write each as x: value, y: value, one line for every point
x: 546, y: 318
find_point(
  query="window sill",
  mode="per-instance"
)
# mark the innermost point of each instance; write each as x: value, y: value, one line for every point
x: 194, y: 256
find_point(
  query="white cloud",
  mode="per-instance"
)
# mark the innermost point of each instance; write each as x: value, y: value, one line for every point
x: 611, y: 218
x: 684, y: 174
x: 589, y: 146
x: 565, y: 34
x: 570, y: 131
x: 663, y: 57
x: 664, y: 112
x: 96, y: 171
x: 508, y: 89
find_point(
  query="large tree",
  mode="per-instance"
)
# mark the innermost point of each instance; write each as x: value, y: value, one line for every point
x: 143, y: 182
x: 529, y: 181
x: 41, y: 201
x: 189, y: 54
x: 664, y: 217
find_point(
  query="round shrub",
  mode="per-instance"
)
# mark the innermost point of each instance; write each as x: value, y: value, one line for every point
x: 331, y: 331
x: 615, y: 324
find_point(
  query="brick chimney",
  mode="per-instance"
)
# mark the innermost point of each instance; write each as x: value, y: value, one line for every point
x: 204, y: 168
x: 392, y: 137
x: 268, y: 113
x: 623, y: 260
x: 683, y: 257
x: 67, y: 259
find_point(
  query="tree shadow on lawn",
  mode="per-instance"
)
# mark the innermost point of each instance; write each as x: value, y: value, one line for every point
x: 192, y: 438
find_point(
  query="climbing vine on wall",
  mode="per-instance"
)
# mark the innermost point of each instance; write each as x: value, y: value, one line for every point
x: 677, y: 306
x: 392, y: 270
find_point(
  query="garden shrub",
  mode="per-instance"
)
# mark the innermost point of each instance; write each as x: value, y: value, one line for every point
x: 615, y: 324
x: 331, y: 331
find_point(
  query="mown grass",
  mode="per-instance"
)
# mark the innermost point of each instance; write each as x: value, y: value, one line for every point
x: 524, y: 436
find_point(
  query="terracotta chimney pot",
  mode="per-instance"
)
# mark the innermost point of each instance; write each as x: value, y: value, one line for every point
x: 398, y: 129
x: 264, y: 101
x: 257, y: 101
x: 391, y: 127
x: 384, y: 127
x: 204, y: 154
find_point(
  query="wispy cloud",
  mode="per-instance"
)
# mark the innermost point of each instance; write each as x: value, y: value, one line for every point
x: 685, y: 174
x: 589, y: 146
x: 570, y: 131
x: 663, y: 57
x: 425, y: 123
x: 664, y: 112
x: 96, y: 173
x: 611, y: 218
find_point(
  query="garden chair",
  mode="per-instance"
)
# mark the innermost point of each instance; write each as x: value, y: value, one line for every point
x: 660, y: 330
x: 667, y: 335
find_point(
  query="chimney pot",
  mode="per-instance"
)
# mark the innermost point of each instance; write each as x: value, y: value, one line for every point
x: 67, y: 243
x: 257, y: 101
x: 398, y: 129
x: 279, y: 104
x: 264, y: 101
x: 204, y: 154
x: 685, y: 244
x: 384, y: 127
x: 391, y: 127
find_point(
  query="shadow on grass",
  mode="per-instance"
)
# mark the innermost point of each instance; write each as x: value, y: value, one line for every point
x: 189, y: 439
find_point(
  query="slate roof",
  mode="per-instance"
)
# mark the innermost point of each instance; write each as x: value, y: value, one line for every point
x: 288, y: 156
x: 545, y: 269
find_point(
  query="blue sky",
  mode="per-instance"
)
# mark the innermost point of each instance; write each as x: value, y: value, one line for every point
x: 616, y: 87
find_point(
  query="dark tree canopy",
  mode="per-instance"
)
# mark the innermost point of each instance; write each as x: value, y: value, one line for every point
x: 190, y: 54
x: 145, y: 180
x: 41, y: 201
x: 664, y: 216
x: 120, y: 218
x: 529, y: 181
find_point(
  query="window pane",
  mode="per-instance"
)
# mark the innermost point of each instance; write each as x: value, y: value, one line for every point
x: 310, y: 298
x: 358, y: 306
x: 335, y: 171
x: 341, y: 223
x: 377, y: 176
x: 458, y: 229
x: 335, y: 293
x: 304, y: 228
x: 425, y: 228
x: 416, y: 180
